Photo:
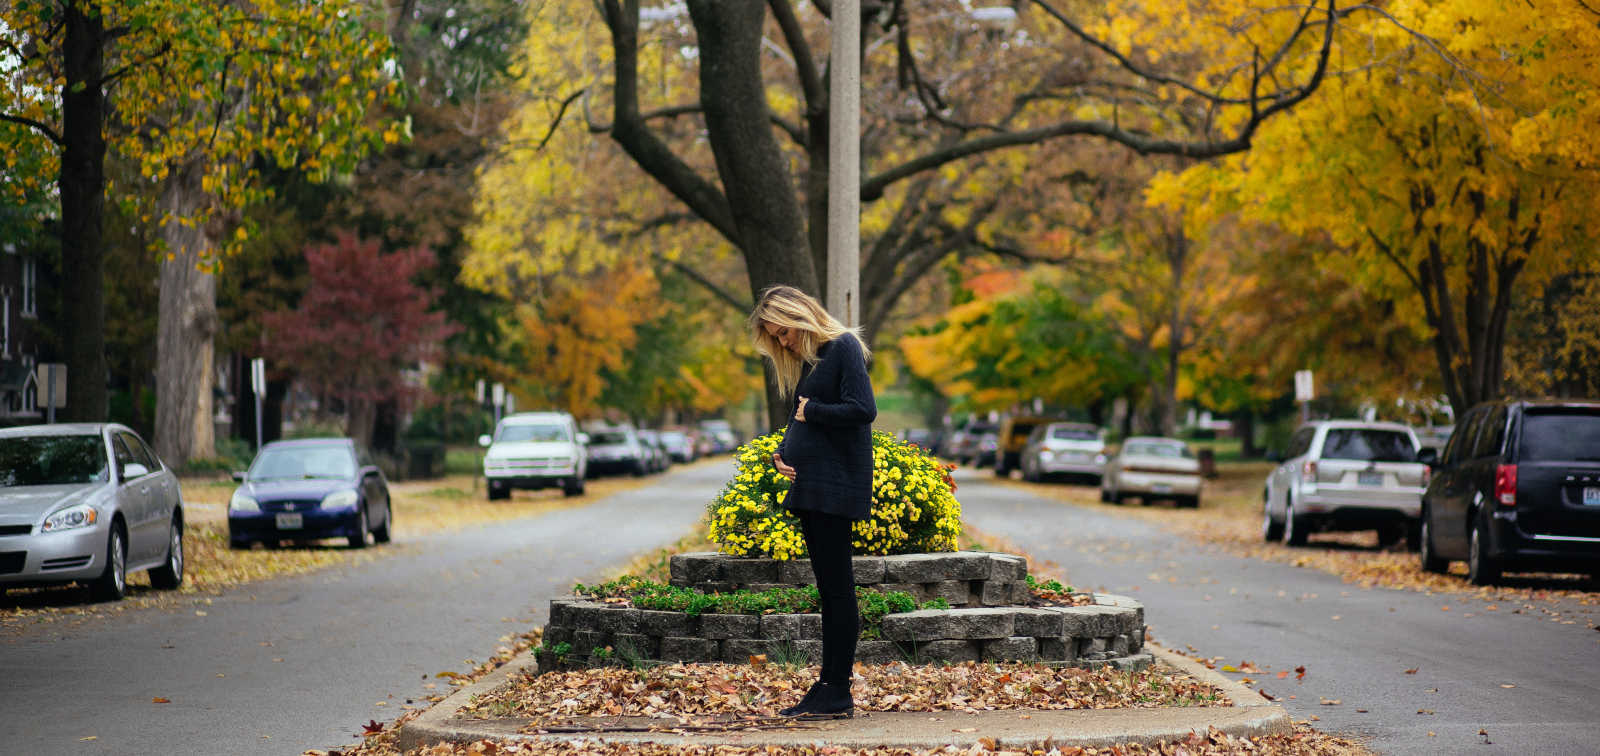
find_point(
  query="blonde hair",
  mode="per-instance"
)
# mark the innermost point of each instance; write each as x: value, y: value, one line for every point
x: 810, y: 323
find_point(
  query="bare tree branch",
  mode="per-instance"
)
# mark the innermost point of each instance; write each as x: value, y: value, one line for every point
x: 805, y: 66
x: 740, y: 306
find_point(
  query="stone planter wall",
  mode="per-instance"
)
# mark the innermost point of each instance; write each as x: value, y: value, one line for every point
x: 962, y: 578
x: 1111, y: 631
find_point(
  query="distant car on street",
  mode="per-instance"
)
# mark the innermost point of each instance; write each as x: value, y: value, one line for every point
x: 534, y: 450
x: 679, y: 446
x: 307, y: 489
x: 718, y: 436
x: 1012, y: 437
x: 1346, y: 475
x: 927, y: 440
x: 1152, y: 468
x: 1064, y: 449
x: 1517, y: 488
x: 659, y: 458
x: 618, y: 449
x: 87, y: 503
x: 966, y: 444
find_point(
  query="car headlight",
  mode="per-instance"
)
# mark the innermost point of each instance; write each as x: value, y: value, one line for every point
x: 242, y: 502
x: 339, y: 499
x: 80, y: 516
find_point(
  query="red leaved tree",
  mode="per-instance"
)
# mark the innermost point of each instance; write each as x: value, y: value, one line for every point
x: 361, y: 325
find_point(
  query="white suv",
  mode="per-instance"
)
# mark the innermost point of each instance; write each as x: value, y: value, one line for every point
x: 1346, y: 475
x: 535, y: 450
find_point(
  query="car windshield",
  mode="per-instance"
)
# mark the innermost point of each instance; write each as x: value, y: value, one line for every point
x: 1157, y: 449
x: 1368, y: 445
x: 520, y: 432
x: 304, y: 462
x: 1563, y: 435
x: 1075, y: 434
x: 674, y: 437
x: 52, y: 460
x: 609, y: 437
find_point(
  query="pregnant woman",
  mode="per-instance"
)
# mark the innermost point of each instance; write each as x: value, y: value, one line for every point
x: 821, y: 368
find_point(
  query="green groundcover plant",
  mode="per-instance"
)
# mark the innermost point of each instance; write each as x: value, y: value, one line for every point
x: 914, y: 508
x: 648, y: 594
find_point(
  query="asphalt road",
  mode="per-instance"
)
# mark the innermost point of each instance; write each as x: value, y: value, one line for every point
x: 296, y: 663
x: 1530, y: 682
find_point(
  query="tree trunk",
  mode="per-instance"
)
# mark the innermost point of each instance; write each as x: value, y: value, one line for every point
x: 361, y: 416
x: 186, y: 324
x: 1244, y: 426
x: 82, y: 190
x: 1177, y: 260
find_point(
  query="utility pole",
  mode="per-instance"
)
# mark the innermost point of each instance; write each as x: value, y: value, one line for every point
x: 844, y: 163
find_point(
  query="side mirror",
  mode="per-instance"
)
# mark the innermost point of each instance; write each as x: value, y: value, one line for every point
x: 1429, y: 457
x: 583, y: 438
x: 134, y: 470
x: 238, y: 476
x: 484, y: 440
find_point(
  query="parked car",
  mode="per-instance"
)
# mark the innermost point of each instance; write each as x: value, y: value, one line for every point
x: 1151, y: 468
x: 87, y: 503
x: 1346, y: 475
x: 308, y: 489
x: 1064, y: 449
x: 927, y: 440
x: 1517, y: 488
x: 679, y: 446
x: 720, y: 436
x: 967, y: 443
x: 988, y: 447
x: 1010, y: 440
x: 534, y: 450
x: 617, y: 449
x: 658, y: 457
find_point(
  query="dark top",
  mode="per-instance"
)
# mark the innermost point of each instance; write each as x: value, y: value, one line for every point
x: 831, y: 451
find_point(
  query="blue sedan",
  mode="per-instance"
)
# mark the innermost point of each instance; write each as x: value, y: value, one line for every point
x: 309, y: 489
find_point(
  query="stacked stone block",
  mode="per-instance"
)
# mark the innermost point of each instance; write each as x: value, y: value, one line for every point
x: 978, y: 628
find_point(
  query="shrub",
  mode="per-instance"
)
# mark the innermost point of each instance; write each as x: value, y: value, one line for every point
x: 914, y: 508
x: 649, y: 594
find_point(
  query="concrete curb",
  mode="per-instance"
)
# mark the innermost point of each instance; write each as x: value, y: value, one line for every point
x: 1012, y: 729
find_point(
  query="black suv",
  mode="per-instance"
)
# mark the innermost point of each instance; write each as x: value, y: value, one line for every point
x: 1517, y: 488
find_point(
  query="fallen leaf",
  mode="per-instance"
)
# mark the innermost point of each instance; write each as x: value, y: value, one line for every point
x: 1425, y: 711
x: 372, y: 727
x: 1507, y: 685
x: 1300, y: 672
x: 88, y: 738
x: 1331, y: 702
x: 758, y: 660
x: 1361, y: 711
x: 159, y: 699
x: 1485, y: 735
x: 1411, y: 671
x: 1283, y: 674
x: 965, y: 729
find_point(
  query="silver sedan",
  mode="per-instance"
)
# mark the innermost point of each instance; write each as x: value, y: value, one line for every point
x: 86, y: 503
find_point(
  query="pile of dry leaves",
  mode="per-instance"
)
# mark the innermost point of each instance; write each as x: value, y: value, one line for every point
x: 761, y: 688
x: 1303, y: 742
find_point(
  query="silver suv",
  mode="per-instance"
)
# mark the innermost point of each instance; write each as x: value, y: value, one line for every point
x: 1346, y: 475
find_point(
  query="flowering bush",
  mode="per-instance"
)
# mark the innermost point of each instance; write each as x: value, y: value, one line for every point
x: 914, y: 508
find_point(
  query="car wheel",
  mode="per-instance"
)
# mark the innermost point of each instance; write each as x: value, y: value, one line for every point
x: 1192, y: 502
x: 384, y: 533
x: 573, y: 486
x: 1413, y: 536
x: 170, y: 574
x: 359, y: 539
x: 639, y: 470
x: 1271, y: 530
x: 1294, y: 526
x: 1482, y: 569
x: 239, y: 544
x: 497, y: 490
x: 1105, y: 495
x: 112, y: 584
x: 1428, y: 556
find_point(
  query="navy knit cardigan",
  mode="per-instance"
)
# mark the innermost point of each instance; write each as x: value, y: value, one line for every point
x: 831, y: 451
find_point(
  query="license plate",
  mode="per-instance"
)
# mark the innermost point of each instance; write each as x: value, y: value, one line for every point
x: 1161, y: 488
x: 289, y: 521
x: 1370, y: 478
x: 1591, y: 497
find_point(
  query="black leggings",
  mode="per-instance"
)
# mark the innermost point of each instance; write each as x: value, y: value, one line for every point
x: 828, y: 539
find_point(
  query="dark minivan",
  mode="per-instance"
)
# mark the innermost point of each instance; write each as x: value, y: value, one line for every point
x: 1517, y: 488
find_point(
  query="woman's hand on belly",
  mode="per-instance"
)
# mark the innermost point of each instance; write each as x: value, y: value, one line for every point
x: 783, y: 467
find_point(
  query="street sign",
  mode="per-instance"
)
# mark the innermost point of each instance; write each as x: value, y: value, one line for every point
x: 1302, y: 386
x: 499, y: 395
x: 51, y: 379
x: 258, y: 376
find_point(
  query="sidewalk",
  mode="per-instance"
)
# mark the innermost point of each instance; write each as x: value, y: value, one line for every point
x: 1251, y: 715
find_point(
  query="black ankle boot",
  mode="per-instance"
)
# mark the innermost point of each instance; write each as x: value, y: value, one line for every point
x: 824, y: 700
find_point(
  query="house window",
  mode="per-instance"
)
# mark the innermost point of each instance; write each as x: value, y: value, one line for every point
x: 30, y: 288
